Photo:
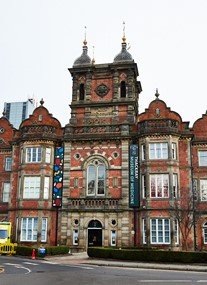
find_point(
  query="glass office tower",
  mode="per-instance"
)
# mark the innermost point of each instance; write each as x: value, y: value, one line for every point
x: 16, y: 112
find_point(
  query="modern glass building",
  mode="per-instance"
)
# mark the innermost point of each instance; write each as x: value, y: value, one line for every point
x: 16, y: 112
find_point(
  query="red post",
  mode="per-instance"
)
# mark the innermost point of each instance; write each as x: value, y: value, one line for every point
x: 33, y: 253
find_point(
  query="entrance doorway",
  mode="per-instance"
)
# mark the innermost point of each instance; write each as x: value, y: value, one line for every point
x: 94, y: 233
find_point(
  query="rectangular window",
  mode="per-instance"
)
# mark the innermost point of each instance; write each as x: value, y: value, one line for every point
x: 205, y: 233
x: 6, y: 192
x: 113, y: 238
x: 29, y: 228
x: 101, y: 180
x: 33, y: 154
x: 203, y: 189
x: 158, y: 151
x: 48, y: 155
x: 44, y: 230
x: 174, y: 151
x: 202, y: 158
x: 144, y: 186
x: 144, y: 231
x: 8, y: 164
x: 76, y: 182
x: 75, y: 237
x: 16, y: 229
x: 195, y: 189
x: 115, y: 182
x: 176, y: 231
x: 46, y: 187
x: 159, y: 185
x: 31, y: 187
x: 143, y: 152
x: 91, y: 179
x: 160, y: 231
x: 175, y: 185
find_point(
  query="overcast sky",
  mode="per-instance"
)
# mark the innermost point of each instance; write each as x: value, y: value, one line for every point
x: 40, y: 40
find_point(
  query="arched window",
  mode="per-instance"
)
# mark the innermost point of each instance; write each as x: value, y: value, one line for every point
x: 205, y: 233
x: 123, y: 89
x: 95, y: 224
x: 81, y: 92
x: 96, y: 175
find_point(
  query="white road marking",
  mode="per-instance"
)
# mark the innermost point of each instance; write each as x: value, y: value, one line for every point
x: 19, y: 267
x: 30, y: 263
x: 164, y: 281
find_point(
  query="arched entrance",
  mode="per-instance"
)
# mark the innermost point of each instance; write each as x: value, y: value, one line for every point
x: 94, y: 233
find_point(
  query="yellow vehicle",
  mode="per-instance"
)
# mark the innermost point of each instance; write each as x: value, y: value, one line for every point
x: 5, y: 232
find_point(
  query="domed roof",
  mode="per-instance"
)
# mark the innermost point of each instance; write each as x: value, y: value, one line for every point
x: 124, y: 55
x: 84, y: 58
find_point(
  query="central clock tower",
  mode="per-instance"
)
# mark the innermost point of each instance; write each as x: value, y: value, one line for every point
x: 104, y: 109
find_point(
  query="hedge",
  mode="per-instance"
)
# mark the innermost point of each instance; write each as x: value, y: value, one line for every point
x: 148, y: 255
x: 50, y: 250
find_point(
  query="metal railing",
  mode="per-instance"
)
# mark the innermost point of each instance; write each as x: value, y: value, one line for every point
x: 8, y: 248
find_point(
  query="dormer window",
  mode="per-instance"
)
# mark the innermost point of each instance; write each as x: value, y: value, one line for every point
x: 123, y: 89
x: 81, y: 92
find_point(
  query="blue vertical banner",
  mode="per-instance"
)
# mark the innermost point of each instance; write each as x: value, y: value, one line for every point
x: 133, y: 176
x: 58, y: 177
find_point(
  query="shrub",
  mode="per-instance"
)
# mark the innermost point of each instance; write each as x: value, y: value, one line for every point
x: 50, y: 250
x: 148, y: 255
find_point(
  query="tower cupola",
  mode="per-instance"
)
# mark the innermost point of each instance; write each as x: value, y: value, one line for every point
x: 84, y: 59
x: 124, y: 55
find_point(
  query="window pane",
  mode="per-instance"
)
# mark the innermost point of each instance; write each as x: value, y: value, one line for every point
x: 33, y: 154
x: 158, y: 150
x: 31, y: 187
x: 144, y: 230
x: 8, y: 164
x: 91, y: 180
x: 174, y: 151
x: 6, y: 192
x: 164, y: 151
x: 152, y: 183
x: 46, y: 188
x: 160, y: 231
x: 29, y: 229
x: 48, y: 155
x: 44, y: 229
x: 159, y: 184
x: 101, y: 179
x: 152, y: 150
x: 28, y: 155
x: 202, y: 155
x: 205, y: 234
x: 203, y: 188
x: 175, y: 185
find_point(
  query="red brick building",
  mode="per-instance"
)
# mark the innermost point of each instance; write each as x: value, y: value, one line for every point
x: 111, y: 176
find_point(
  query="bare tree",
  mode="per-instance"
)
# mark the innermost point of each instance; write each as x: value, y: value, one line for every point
x: 184, y: 212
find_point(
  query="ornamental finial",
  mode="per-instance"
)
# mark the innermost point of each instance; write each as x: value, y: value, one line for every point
x: 85, y: 41
x: 157, y: 94
x: 93, y: 60
x: 123, y: 38
x: 42, y: 102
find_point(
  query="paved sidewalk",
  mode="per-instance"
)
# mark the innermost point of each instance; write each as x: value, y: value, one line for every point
x: 84, y: 259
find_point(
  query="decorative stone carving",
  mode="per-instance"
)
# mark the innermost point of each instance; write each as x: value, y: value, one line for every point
x: 102, y: 90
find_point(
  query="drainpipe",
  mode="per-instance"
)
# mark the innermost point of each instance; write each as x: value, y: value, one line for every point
x: 56, y: 228
x: 192, y: 187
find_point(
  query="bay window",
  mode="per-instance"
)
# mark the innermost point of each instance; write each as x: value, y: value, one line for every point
x: 159, y: 185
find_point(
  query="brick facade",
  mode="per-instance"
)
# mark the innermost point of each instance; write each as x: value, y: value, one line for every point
x: 95, y: 210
